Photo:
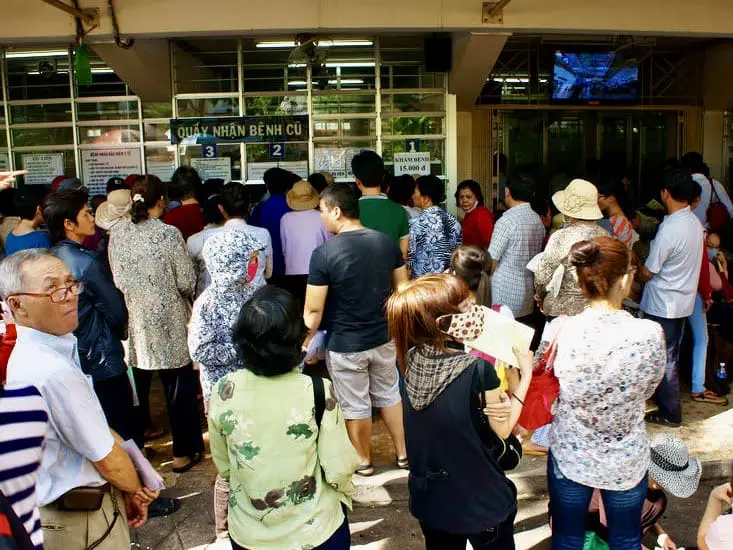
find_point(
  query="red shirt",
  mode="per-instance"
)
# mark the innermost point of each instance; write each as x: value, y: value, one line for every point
x: 186, y: 218
x: 6, y: 347
x: 478, y: 226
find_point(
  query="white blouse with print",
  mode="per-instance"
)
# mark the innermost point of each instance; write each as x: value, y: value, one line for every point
x: 608, y: 364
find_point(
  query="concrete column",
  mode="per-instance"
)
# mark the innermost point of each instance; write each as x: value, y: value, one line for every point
x: 712, y: 144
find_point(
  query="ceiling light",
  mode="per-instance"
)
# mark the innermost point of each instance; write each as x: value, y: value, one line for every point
x: 338, y: 64
x: 321, y: 43
x: 346, y: 81
x: 27, y: 55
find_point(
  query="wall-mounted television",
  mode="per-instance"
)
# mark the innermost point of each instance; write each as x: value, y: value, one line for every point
x: 594, y: 77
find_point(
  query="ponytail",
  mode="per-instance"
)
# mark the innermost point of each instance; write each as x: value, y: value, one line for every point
x: 146, y: 192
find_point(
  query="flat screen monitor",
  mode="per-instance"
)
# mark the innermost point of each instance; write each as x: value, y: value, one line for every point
x: 594, y: 77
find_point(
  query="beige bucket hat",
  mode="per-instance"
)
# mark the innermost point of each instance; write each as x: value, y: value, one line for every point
x: 578, y: 200
x: 116, y: 207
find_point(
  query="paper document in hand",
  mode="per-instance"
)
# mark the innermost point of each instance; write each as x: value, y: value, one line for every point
x: 148, y: 475
x: 500, y: 335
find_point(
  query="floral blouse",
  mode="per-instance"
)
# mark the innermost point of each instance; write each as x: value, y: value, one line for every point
x: 608, y: 364
x: 434, y: 235
x: 570, y: 300
x: 287, y: 478
x: 152, y: 268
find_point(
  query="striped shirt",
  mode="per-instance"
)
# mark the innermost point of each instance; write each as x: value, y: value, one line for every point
x: 23, y: 425
x: 622, y: 229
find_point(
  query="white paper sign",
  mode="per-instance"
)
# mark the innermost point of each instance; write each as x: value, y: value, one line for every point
x: 337, y: 162
x: 411, y: 164
x: 99, y: 165
x: 219, y: 168
x: 42, y: 168
x: 4, y: 162
x: 256, y: 170
x: 162, y: 168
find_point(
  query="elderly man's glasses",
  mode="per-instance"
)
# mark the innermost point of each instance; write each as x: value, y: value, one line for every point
x: 59, y: 295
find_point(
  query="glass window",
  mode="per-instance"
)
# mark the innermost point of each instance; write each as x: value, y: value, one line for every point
x: 68, y: 164
x: 350, y: 127
x: 42, y: 112
x: 413, y: 103
x: 210, y: 107
x: 109, y: 135
x: 160, y: 161
x: 412, y: 126
x: 104, y: 80
x: 30, y: 137
x: 292, y: 104
x: 260, y: 152
x: 157, y: 110
x: 344, y: 103
x: 40, y: 73
x: 157, y: 131
x: 107, y: 110
x: 205, y: 65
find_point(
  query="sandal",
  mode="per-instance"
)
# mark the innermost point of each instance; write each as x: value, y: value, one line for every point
x: 532, y: 449
x: 403, y: 463
x: 152, y: 433
x: 710, y: 397
x: 365, y: 470
x: 162, y: 507
x: 193, y: 460
x: 656, y: 418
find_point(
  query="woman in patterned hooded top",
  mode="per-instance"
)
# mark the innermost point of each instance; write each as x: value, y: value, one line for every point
x: 290, y: 475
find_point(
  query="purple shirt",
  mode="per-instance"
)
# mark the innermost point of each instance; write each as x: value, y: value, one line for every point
x: 301, y: 233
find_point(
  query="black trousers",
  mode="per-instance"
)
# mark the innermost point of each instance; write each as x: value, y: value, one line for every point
x: 115, y: 396
x: 500, y: 537
x: 183, y: 407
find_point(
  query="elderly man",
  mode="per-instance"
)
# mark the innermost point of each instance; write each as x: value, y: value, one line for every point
x: 87, y: 489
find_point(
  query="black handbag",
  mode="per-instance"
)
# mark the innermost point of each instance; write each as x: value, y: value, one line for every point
x: 506, y: 452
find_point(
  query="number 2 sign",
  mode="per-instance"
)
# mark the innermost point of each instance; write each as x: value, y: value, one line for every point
x: 277, y: 151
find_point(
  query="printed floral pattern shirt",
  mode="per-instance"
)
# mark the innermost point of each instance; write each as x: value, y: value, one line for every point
x: 608, y: 364
x: 434, y: 235
x: 287, y: 480
x: 152, y: 268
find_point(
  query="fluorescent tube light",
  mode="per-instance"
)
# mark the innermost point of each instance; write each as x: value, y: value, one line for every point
x: 28, y: 55
x: 321, y: 43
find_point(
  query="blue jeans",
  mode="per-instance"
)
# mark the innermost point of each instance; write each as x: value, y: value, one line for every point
x: 667, y: 395
x: 569, y: 503
x: 699, y: 326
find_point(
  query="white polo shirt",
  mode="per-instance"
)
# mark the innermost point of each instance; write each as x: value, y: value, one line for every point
x: 674, y: 259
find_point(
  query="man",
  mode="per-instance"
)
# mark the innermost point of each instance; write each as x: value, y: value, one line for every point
x: 376, y: 210
x: 518, y: 237
x: 83, y: 463
x: 350, y: 278
x: 234, y: 207
x: 672, y: 271
x: 28, y: 233
x: 102, y: 312
x: 187, y: 217
x: 694, y: 164
x: 268, y: 213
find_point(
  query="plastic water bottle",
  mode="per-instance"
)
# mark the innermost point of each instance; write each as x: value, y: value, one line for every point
x: 721, y: 374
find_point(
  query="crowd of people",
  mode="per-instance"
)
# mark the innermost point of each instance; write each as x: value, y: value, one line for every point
x: 230, y: 301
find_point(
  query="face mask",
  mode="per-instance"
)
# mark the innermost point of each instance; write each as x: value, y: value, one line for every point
x: 712, y: 252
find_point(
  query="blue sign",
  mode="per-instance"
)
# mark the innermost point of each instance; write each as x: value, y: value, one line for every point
x: 208, y: 150
x: 277, y: 151
x: 412, y: 146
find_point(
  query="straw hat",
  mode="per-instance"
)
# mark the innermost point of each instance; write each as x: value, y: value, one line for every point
x: 302, y: 197
x: 672, y: 468
x: 116, y: 207
x: 578, y: 200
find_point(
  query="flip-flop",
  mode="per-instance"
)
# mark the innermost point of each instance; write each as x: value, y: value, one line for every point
x: 193, y: 460
x: 162, y: 507
x: 365, y: 470
x: 710, y: 397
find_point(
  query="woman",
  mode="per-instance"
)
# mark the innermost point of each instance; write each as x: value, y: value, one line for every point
x: 612, y: 201
x: 434, y: 234
x: 457, y: 491
x: 608, y: 363
x: 231, y: 257
x: 556, y: 283
x: 401, y: 189
x: 290, y: 476
x: 151, y: 267
x: 214, y: 220
x: 478, y: 221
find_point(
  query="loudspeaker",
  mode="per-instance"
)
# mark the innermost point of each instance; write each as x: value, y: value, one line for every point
x: 438, y: 53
